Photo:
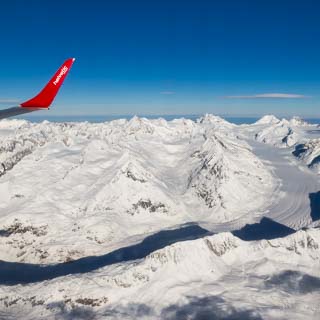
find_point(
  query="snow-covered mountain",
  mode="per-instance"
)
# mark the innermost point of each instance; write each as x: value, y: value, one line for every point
x: 309, y: 152
x: 211, y: 276
x: 159, y: 219
x: 279, y: 133
x: 96, y: 179
x: 294, y: 133
x: 267, y: 119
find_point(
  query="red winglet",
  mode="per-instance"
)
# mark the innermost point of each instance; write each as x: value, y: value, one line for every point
x: 48, y: 93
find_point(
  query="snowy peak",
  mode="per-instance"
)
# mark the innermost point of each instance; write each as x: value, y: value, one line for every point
x: 135, y: 173
x: 303, y: 242
x: 214, y: 121
x: 279, y: 134
x: 138, y: 125
x: 222, y: 167
x: 267, y: 119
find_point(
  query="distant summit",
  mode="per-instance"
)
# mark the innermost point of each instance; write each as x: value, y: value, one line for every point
x: 268, y: 119
x: 297, y: 121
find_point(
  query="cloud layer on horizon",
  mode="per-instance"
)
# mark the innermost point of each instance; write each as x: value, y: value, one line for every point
x: 270, y: 96
x: 9, y: 101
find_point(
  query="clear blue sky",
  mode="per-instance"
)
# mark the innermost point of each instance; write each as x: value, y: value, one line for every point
x: 165, y: 57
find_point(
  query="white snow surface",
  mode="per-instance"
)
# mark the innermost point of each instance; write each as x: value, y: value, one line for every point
x: 134, y: 219
x: 268, y: 119
x: 280, y: 134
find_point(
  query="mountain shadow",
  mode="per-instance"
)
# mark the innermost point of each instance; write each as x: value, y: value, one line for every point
x: 315, y: 161
x: 265, y: 229
x: 13, y: 273
x: 299, y: 149
x: 294, y: 282
x: 3, y: 233
x: 315, y: 131
x: 314, y: 205
x: 211, y: 307
x: 193, y: 308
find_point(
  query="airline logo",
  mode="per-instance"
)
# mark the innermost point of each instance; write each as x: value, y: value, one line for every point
x: 61, y: 73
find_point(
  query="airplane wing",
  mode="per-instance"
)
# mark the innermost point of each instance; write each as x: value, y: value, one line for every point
x: 44, y: 99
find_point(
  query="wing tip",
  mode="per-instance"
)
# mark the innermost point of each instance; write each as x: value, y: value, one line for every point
x: 46, y: 96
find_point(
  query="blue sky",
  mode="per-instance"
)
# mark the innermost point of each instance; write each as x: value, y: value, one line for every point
x: 165, y: 57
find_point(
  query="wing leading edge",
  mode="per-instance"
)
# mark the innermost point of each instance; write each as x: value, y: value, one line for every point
x: 43, y: 99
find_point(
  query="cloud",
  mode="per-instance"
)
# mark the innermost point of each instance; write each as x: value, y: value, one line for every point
x: 9, y: 101
x: 167, y: 92
x: 270, y: 96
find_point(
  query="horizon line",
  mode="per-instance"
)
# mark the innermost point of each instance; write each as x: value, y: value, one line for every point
x: 177, y: 114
